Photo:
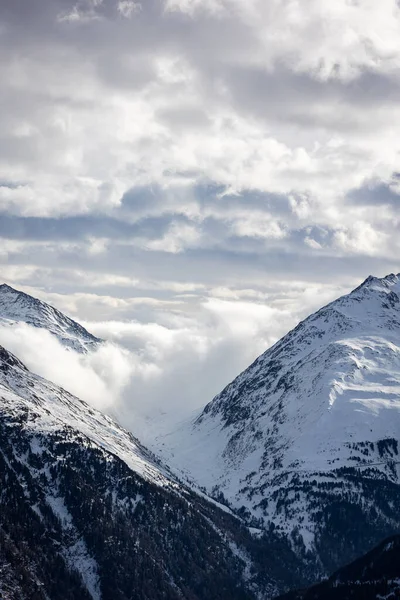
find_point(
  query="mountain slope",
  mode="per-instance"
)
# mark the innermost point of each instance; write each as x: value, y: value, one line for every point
x: 289, y: 440
x: 375, y: 575
x: 18, y: 307
x: 87, y: 512
x: 49, y: 408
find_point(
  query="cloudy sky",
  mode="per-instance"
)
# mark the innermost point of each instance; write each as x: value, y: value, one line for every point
x: 189, y: 178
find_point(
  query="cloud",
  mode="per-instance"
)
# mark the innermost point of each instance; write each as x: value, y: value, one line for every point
x: 169, y: 360
x: 128, y: 8
x: 186, y: 176
x: 151, y: 374
x: 98, y: 377
x: 376, y: 193
x: 285, y: 31
x: 246, y: 94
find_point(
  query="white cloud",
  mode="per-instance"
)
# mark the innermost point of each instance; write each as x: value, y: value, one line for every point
x: 362, y: 238
x: 116, y: 119
x: 169, y: 363
x: 178, y: 367
x: 148, y: 369
x: 307, y: 39
x: 98, y: 377
x: 185, y: 170
x: 258, y: 225
x: 128, y: 8
x: 145, y: 370
x: 58, y: 197
x: 176, y: 239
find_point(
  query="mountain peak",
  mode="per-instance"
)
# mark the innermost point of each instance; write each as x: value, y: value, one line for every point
x: 322, y: 400
x: 385, y: 282
x: 5, y: 286
x: 9, y: 290
x: 18, y: 307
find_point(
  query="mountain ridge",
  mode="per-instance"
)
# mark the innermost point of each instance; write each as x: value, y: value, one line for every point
x: 302, y: 447
x: 18, y: 307
x: 88, y: 512
x: 322, y: 401
x: 24, y: 390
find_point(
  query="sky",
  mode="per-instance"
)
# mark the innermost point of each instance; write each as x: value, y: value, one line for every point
x: 190, y: 178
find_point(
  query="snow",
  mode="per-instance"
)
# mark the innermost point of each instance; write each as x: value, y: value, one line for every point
x: 42, y: 407
x: 18, y: 307
x: 58, y: 507
x: 53, y: 409
x: 301, y: 407
x: 36, y: 446
x: 76, y: 555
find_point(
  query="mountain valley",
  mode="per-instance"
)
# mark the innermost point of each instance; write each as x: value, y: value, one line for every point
x: 289, y: 474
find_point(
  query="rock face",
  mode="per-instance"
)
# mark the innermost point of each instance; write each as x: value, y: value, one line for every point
x: 18, y: 307
x: 304, y: 440
x: 375, y: 575
x: 87, y: 512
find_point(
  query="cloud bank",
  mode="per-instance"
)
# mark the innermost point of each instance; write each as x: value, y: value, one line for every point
x: 191, y: 177
x: 98, y: 377
x: 151, y: 376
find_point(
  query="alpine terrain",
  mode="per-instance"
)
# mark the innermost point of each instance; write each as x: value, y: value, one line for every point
x: 87, y: 512
x: 288, y: 474
x: 18, y: 307
x: 305, y: 441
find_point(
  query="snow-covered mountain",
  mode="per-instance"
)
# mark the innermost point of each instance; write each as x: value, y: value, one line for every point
x: 289, y: 441
x: 18, y: 307
x: 50, y: 408
x: 87, y: 512
x: 303, y: 446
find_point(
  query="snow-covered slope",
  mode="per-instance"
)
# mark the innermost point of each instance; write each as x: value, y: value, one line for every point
x: 17, y: 307
x: 304, y: 418
x: 87, y: 512
x: 303, y: 445
x: 50, y: 408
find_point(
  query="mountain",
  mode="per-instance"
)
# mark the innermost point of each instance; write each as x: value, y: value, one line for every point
x: 18, y: 307
x: 375, y: 575
x: 87, y: 512
x: 306, y: 440
x: 289, y: 473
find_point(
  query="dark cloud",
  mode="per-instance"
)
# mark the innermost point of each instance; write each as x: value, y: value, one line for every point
x: 83, y: 227
x: 296, y: 99
x: 243, y: 261
x: 375, y: 193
